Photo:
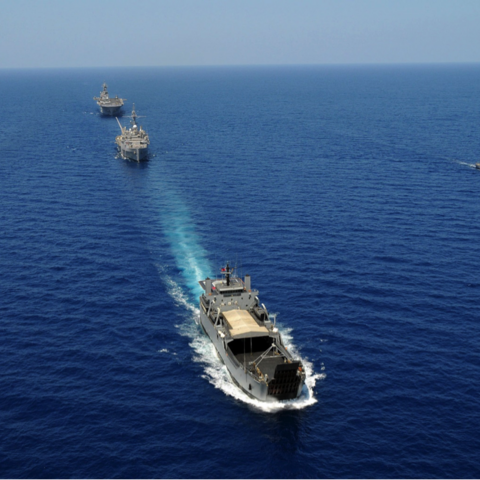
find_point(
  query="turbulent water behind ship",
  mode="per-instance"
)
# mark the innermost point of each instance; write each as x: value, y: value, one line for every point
x: 349, y: 194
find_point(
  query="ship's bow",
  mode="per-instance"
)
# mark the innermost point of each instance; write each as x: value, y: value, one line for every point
x: 287, y: 382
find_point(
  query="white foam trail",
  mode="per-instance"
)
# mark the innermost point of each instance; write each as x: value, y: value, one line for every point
x: 189, y: 256
x: 215, y: 370
x: 471, y: 165
x: 191, y: 260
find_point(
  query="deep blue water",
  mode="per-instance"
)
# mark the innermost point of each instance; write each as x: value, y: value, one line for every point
x: 347, y: 193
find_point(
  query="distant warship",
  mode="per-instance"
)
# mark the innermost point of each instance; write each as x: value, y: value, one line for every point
x: 133, y: 143
x: 247, y: 339
x: 109, y: 106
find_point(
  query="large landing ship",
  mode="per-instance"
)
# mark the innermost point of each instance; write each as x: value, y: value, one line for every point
x: 108, y: 106
x: 133, y: 143
x: 247, y: 339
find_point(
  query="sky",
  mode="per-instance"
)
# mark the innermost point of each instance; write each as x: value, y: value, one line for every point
x: 116, y: 33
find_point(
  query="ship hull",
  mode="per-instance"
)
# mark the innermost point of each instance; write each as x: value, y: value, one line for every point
x: 243, y: 379
x: 110, y: 111
x: 239, y: 374
x: 136, y: 154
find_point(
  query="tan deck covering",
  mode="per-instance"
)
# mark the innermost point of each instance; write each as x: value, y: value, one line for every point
x: 242, y: 324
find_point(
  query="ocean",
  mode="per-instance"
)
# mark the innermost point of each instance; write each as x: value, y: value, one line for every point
x: 348, y: 193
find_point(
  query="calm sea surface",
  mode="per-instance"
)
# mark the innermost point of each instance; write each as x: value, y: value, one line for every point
x: 350, y: 196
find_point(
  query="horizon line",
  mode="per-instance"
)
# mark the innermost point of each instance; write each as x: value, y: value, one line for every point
x: 353, y: 64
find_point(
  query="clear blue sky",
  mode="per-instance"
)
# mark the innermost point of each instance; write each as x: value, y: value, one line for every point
x: 102, y: 33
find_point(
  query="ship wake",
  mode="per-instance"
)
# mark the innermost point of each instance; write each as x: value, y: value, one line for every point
x: 466, y: 164
x: 191, y: 261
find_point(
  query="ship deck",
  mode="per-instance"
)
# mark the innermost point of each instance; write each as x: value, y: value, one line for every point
x: 111, y: 103
x: 267, y: 366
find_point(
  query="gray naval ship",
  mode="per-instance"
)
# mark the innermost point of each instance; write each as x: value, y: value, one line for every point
x: 133, y: 143
x: 247, y: 339
x: 109, y: 106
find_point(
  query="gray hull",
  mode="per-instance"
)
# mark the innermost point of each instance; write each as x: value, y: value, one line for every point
x: 247, y: 340
x: 238, y: 368
x: 133, y: 143
x: 108, y: 106
x: 110, y: 111
x: 136, y: 154
x: 244, y: 380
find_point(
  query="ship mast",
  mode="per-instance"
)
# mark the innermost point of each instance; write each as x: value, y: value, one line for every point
x: 227, y: 272
x: 133, y: 121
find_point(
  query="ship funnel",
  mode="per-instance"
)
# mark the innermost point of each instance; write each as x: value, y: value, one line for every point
x: 208, y: 286
x: 248, y: 283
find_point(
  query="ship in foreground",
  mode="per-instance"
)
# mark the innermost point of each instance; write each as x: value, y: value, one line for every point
x: 109, y: 106
x: 247, y: 339
x: 133, y: 142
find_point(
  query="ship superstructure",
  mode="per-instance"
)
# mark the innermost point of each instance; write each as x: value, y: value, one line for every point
x: 247, y: 340
x: 109, y: 106
x: 133, y: 142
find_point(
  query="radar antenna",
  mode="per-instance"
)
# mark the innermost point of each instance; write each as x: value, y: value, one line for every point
x: 227, y: 271
x: 133, y: 121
